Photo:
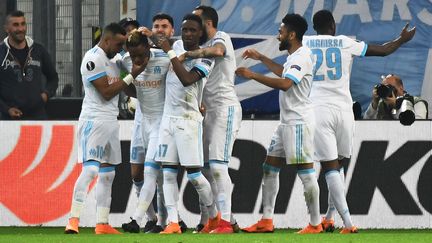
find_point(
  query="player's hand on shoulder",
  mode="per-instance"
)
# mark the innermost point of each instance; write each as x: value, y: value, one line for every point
x: 244, y: 72
x: 251, y: 53
x: 407, y: 34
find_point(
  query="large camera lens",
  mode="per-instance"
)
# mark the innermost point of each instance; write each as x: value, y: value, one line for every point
x: 405, y: 106
x: 384, y: 90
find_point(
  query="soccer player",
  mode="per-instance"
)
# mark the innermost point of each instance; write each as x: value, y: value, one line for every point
x: 180, y: 134
x: 223, y: 115
x: 332, y: 100
x: 98, y: 128
x: 150, y: 92
x: 292, y: 142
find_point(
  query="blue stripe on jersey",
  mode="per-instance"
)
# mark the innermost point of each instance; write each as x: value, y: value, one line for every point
x: 364, y: 50
x: 152, y: 164
x: 294, y: 79
x: 202, y: 69
x: 194, y: 175
x: 160, y: 54
x: 84, y: 138
x: 228, y: 132
x: 94, y: 77
x: 306, y: 171
x: 106, y: 169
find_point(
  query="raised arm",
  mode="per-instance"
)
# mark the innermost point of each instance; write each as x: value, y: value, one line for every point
x: 276, y: 83
x: 276, y: 68
x: 391, y: 46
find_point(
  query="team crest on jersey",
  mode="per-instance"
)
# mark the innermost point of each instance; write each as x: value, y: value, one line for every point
x: 90, y: 66
x: 296, y: 67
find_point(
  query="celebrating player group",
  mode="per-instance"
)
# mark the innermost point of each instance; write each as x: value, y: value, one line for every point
x: 188, y: 115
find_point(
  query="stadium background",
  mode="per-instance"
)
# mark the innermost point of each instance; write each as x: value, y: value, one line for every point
x: 388, y: 179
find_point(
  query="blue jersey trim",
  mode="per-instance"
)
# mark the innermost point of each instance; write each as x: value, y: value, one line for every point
x: 294, y: 79
x: 364, y: 50
x: 94, y: 77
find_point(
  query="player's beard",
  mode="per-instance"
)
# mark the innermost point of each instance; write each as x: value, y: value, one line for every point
x: 284, y: 45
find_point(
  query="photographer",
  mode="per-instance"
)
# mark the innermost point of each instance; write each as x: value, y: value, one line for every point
x: 390, y: 101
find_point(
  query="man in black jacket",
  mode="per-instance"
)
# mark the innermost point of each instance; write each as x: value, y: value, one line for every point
x: 22, y: 92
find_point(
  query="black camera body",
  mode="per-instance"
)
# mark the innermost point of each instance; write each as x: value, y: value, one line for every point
x: 384, y: 90
x: 405, y: 109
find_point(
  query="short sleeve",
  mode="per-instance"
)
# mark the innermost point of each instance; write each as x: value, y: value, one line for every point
x: 204, y: 65
x: 94, y: 68
x: 355, y: 47
x: 296, y: 68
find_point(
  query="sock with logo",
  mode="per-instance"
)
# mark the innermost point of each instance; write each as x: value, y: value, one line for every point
x: 103, y: 193
x: 171, y: 193
x: 202, y: 186
x: 311, y: 194
x: 336, y: 191
x: 331, y: 210
x: 270, y: 188
x: 89, y: 171
x: 224, y: 185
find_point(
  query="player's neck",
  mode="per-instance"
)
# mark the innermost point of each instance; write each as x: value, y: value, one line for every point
x: 294, y: 47
x: 211, y: 33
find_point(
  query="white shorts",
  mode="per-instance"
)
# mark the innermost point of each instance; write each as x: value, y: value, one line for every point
x: 220, y: 131
x: 99, y: 141
x: 180, y: 141
x: 293, y: 142
x: 334, y: 133
x: 144, y: 140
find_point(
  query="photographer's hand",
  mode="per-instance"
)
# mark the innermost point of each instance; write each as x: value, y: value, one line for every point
x: 390, y: 101
x: 375, y: 98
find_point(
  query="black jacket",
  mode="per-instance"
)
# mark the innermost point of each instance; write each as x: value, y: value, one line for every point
x: 22, y: 87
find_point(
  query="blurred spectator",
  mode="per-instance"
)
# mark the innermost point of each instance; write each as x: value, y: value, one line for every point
x: 385, y: 104
x: 23, y: 94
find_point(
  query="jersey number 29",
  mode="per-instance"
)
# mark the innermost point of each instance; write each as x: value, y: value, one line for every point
x: 333, y: 61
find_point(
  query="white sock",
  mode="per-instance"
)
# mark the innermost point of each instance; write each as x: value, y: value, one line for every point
x: 202, y: 186
x: 336, y: 191
x: 203, y: 208
x: 162, y: 211
x: 171, y: 193
x: 270, y: 188
x: 220, y: 173
x: 311, y: 194
x: 89, y: 171
x: 145, y: 206
x: 103, y: 193
x: 331, y: 210
x: 137, y: 186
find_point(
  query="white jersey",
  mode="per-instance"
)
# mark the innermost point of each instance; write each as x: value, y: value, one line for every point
x: 183, y: 101
x: 333, y: 55
x: 150, y: 84
x: 96, y: 64
x: 219, y: 90
x: 295, y: 105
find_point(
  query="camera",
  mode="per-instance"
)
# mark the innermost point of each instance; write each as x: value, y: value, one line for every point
x: 384, y: 90
x: 405, y: 109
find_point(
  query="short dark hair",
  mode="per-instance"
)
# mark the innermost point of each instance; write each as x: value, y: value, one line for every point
x: 163, y: 16
x: 114, y: 29
x: 16, y: 13
x: 323, y: 21
x: 129, y: 21
x: 297, y: 24
x: 135, y: 39
x: 209, y: 13
x: 193, y: 17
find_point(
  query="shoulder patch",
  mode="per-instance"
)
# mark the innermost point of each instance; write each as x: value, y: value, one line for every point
x: 90, y: 66
x: 207, y: 61
x: 296, y: 67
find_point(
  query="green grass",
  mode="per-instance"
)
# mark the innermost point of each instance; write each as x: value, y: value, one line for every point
x: 55, y: 234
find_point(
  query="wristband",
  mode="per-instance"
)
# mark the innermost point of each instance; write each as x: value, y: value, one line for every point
x: 171, y: 54
x: 128, y: 79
